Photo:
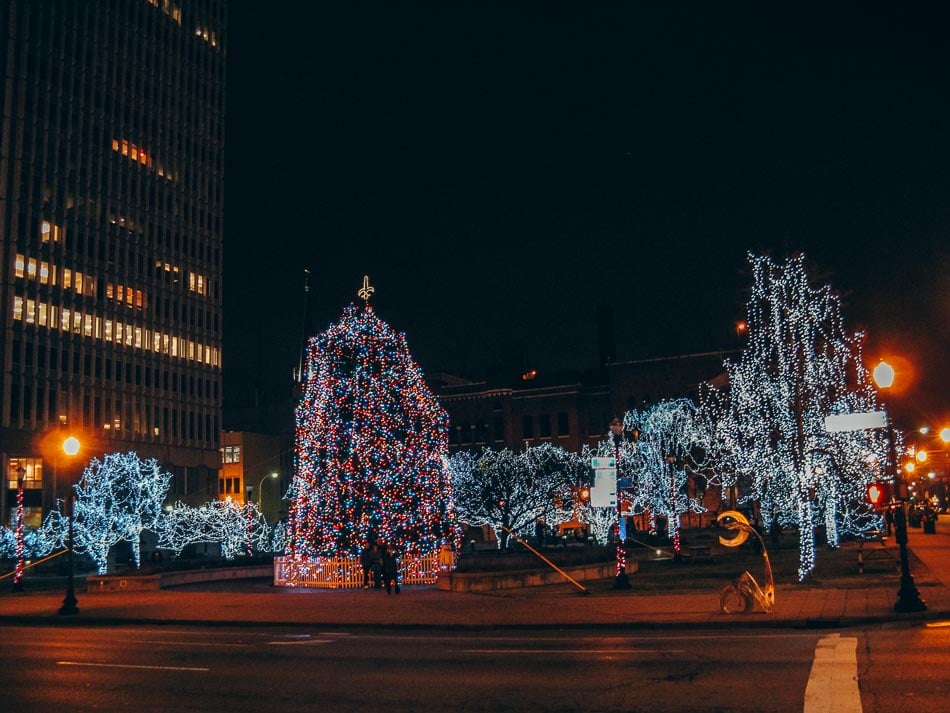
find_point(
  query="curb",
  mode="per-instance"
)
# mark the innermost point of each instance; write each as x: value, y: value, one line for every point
x: 736, y: 622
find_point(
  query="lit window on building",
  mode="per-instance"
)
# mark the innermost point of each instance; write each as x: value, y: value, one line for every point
x: 196, y: 283
x: 31, y: 471
x: 50, y: 232
x: 231, y: 454
x: 89, y: 325
x: 141, y: 156
x: 207, y: 35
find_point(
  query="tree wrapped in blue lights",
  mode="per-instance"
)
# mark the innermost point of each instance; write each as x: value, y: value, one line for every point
x: 800, y: 366
x: 371, y: 443
x: 117, y: 498
x: 37, y: 542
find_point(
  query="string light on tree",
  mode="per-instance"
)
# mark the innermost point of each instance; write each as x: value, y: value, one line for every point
x: 511, y: 492
x: 673, y: 442
x: 117, y: 498
x: 370, y: 440
x: 800, y: 366
x: 18, y: 573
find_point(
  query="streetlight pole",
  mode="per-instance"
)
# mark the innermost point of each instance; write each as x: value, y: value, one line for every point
x: 70, y: 601
x: 260, y: 491
x: 71, y: 447
x: 908, y: 598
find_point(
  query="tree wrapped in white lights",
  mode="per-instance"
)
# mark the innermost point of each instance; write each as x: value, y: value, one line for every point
x: 236, y: 528
x: 800, y: 366
x: 673, y: 442
x: 511, y: 491
x: 599, y: 520
x: 117, y: 498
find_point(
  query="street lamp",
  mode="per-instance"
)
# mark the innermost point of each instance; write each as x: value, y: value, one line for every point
x: 71, y: 447
x: 260, y: 491
x: 908, y: 598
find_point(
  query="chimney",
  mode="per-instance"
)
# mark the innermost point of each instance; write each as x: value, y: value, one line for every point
x: 605, y: 334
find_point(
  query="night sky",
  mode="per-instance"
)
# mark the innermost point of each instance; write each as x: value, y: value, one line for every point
x: 501, y: 170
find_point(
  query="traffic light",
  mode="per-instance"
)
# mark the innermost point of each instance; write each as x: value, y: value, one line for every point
x: 878, y: 495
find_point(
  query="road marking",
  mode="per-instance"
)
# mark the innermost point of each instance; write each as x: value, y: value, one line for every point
x: 833, y: 682
x: 574, y: 651
x: 300, y: 643
x: 172, y: 642
x: 125, y: 665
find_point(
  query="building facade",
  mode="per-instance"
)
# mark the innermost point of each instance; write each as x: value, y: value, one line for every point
x: 111, y: 238
x: 255, y: 467
x: 568, y: 409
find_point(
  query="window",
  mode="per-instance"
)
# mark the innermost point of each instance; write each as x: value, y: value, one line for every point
x: 563, y: 427
x: 207, y: 35
x: 32, y: 472
x: 527, y: 427
x: 231, y: 454
x: 50, y: 232
x: 141, y: 156
x: 544, y: 425
x: 196, y: 283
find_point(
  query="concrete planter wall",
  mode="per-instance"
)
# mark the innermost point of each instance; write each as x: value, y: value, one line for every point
x: 488, y: 581
x: 152, y: 582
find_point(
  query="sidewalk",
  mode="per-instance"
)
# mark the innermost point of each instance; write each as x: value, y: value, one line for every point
x: 554, y: 606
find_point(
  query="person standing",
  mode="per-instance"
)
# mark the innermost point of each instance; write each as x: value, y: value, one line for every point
x: 390, y: 566
x: 376, y: 565
x: 366, y: 563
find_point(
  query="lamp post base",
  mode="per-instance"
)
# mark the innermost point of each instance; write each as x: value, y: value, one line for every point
x: 69, y: 606
x: 908, y: 598
x: 622, y: 581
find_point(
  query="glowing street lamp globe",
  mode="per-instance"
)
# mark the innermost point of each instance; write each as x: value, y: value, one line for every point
x: 71, y: 446
x: 883, y: 375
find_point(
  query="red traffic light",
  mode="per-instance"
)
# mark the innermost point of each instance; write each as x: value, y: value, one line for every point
x: 877, y: 495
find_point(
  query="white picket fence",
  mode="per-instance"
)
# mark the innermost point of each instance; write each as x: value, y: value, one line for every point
x: 346, y: 572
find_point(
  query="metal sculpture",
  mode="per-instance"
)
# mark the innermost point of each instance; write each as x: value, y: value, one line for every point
x: 738, y: 596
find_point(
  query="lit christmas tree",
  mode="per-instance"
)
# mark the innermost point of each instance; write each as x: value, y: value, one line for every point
x: 799, y: 367
x: 371, y: 445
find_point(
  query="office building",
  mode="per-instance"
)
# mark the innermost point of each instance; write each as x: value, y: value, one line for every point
x: 111, y: 236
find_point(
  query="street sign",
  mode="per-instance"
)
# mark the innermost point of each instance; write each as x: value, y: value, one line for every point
x: 604, y: 492
x: 855, y: 421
